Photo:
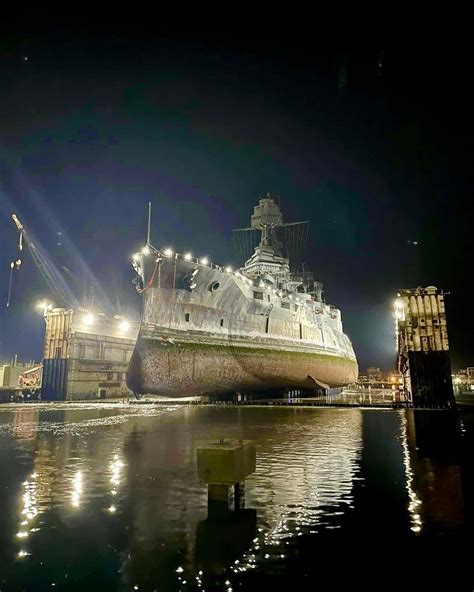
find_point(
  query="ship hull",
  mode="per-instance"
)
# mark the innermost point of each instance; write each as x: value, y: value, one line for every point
x: 184, y: 369
x: 208, y: 332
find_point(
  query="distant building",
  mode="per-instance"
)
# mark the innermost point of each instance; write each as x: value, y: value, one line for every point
x: 11, y: 371
x: 86, y: 355
x: 423, y: 347
x: 374, y: 374
x: 463, y: 380
x: 16, y: 379
x: 376, y: 378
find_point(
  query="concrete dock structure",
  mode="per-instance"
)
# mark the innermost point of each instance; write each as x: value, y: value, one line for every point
x: 224, y: 466
x: 423, y: 347
x: 86, y: 355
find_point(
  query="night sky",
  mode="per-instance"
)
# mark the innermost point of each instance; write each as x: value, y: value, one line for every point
x: 373, y: 146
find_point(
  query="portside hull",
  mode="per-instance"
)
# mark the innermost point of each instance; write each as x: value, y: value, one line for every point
x: 183, y: 369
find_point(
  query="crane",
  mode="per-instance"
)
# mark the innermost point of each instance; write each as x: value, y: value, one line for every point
x: 46, y: 267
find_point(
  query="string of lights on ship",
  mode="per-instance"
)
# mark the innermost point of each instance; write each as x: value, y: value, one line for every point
x: 204, y: 261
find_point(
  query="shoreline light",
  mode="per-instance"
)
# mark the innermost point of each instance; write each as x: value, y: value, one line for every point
x: 136, y: 257
x: 188, y: 256
x: 146, y: 250
x: 168, y: 252
x: 204, y: 261
x: 228, y: 269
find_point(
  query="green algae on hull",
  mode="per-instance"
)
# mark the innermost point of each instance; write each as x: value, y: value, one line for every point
x: 248, y: 351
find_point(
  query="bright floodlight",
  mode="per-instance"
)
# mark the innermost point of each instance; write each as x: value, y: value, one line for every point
x: 88, y: 319
x: 168, y: 252
x: 44, y: 306
x: 204, y: 261
x: 124, y: 326
x: 136, y: 257
x: 228, y: 269
x: 146, y: 250
x: 188, y: 256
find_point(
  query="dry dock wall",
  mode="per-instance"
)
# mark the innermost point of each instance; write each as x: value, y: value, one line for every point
x: 86, y: 355
x: 423, y: 347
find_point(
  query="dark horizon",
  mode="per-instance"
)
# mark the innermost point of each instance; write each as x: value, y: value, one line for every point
x: 372, y: 146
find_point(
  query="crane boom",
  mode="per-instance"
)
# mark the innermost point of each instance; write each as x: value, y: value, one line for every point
x: 46, y: 267
x: 15, y: 219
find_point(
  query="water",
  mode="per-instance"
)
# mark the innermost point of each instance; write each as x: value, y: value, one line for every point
x: 108, y: 499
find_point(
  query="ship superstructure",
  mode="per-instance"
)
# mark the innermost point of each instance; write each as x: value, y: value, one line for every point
x: 209, y: 330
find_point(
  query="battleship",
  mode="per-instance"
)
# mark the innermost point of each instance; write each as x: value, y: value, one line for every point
x: 211, y: 330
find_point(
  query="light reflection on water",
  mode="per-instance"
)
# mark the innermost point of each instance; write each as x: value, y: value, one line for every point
x: 414, y: 504
x: 109, y: 497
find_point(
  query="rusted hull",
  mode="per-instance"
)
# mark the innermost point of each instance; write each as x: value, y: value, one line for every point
x: 183, y: 369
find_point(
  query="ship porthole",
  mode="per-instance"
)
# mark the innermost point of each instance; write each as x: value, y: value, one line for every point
x: 214, y: 286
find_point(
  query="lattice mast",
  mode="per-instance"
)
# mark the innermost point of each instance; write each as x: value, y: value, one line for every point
x: 267, y: 229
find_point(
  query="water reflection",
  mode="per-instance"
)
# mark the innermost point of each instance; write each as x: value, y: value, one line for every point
x: 77, y: 489
x: 224, y: 536
x: 110, y: 498
x: 414, y: 501
x: 307, y: 463
x: 29, y: 511
x: 433, y: 444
